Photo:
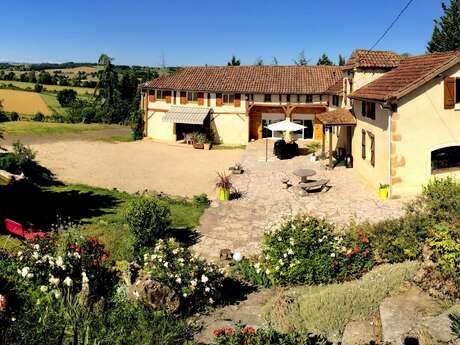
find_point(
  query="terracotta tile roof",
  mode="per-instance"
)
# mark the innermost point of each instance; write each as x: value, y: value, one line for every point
x: 336, y: 89
x: 362, y: 58
x: 251, y: 79
x: 411, y: 73
x: 340, y: 116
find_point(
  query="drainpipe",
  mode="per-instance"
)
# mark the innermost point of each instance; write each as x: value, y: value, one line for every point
x: 388, y: 107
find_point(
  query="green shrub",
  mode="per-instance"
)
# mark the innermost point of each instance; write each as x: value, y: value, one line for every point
x: 445, y: 246
x: 39, y: 117
x: 66, y: 97
x: 196, y: 281
x: 57, y: 118
x: 4, y: 117
x: 14, y: 116
x: 306, y: 249
x: 250, y: 270
x: 38, y: 88
x: 201, y: 200
x: 455, y: 323
x: 149, y: 219
x: 247, y: 335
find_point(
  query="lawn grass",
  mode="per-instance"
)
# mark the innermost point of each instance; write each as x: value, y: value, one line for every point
x: 118, y: 139
x: 99, y: 212
x: 52, y: 102
x: 49, y: 128
x: 326, y: 309
x: 25, y: 85
x: 228, y: 147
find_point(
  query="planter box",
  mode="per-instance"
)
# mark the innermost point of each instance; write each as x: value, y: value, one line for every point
x: 207, y: 146
x: 198, y: 146
x: 237, y: 171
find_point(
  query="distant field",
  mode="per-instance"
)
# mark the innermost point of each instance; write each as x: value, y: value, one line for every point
x: 23, y: 102
x: 48, y: 128
x: 52, y: 103
x: 23, y: 85
x: 75, y: 70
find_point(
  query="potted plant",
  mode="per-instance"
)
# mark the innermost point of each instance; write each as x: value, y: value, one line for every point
x: 224, y: 185
x: 208, y: 144
x: 200, y: 139
x: 383, y: 191
x: 314, y: 147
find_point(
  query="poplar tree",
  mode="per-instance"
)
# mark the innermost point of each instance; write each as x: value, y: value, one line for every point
x: 446, y: 32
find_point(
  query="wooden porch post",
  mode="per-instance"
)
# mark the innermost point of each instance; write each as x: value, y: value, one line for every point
x: 324, y: 140
x: 330, y: 147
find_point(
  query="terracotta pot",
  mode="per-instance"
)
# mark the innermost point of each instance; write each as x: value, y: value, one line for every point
x: 198, y: 146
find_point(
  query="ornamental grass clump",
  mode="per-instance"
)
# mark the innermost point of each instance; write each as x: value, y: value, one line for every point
x: 196, y: 281
x: 308, y: 250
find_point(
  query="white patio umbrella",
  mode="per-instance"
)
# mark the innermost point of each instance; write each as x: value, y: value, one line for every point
x: 286, y: 126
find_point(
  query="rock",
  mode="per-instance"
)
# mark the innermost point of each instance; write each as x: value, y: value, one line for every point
x: 225, y: 254
x: 154, y: 294
x: 435, y: 330
x: 359, y: 333
x: 401, y: 313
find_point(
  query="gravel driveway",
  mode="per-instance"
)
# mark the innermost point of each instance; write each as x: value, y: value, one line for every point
x: 133, y: 166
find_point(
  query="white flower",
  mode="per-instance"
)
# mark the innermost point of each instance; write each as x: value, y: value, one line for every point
x: 285, y: 255
x: 180, y: 259
x: 37, y: 246
x: 24, y: 272
x: 59, y: 261
x: 166, y: 264
x: 29, y: 275
x: 207, y: 289
x: 332, y: 255
x: 68, y: 281
x: 290, y: 251
x: 35, y: 255
x: 54, y: 281
x: 84, y: 278
x: 257, y: 270
x: 57, y: 293
x: 43, y: 288
x: 204, y: 279
x: 291, y: 241
x: 19, y: 254
x: 193, y: 282
x: 257, y: 265
x: 184, y: 294
x: 267, y: 271
x: 237, y: 256
x: 178, y: 280
x: 211, y: 301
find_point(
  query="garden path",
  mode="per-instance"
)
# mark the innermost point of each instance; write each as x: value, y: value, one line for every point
x: 239, y: 224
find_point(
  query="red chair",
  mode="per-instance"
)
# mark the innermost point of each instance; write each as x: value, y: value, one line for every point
x: 17, y: 229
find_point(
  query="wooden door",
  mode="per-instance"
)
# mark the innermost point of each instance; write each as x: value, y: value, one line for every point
x: 255, y: 123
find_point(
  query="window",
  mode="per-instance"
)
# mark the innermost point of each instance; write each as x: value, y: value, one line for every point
x: 372, y: 139
x: 288, y: 98
x: 368, y: 109
x: 267, y: 97
x: 445, y: 158
x: 160, y: 94
x: 457, y: 91
x: 335, y: 100
x: 307, y: 132
x: 228, y: 98
x: 363, y: 144
x: 309, y: 98
x: 192, y: 97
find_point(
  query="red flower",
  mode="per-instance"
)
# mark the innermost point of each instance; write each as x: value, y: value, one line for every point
x: 249, y: 330
x: 229, y: 331
x: 365, y: 253
x: 349, y: 254
x: 349, y: 267
x: 356, y: 249
x: 219, y: 331
x: 104, y: 256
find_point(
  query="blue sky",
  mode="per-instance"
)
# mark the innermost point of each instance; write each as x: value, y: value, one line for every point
x: 207, y: 32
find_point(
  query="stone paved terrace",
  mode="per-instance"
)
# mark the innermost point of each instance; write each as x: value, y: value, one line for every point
x: 240, y: 224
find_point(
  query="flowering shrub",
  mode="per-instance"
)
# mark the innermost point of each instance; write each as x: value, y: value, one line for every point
x: 247, y: 335
x: 70, y: 265
x: 148, y: 219
x: 306, y: 249
x: 195, y: 280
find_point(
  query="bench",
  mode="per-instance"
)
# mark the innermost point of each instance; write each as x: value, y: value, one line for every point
x: 15, y: 228
x: 313, y: 185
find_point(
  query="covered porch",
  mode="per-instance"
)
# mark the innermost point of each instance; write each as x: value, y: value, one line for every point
x: 339, y: 125
x: 187, y: 120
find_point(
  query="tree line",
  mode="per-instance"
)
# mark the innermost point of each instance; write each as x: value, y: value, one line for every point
x: 300, y: 61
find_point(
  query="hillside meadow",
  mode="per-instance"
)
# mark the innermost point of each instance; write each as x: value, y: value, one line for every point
x: 24, y: 85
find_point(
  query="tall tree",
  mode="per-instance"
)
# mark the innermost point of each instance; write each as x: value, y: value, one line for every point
x: 108, y: 81
x: 234, y: 61
x: 301, y: 60
x: 324, y: 60
x: 259, y: 61
x: 446, y: 32
x: 341, y: 60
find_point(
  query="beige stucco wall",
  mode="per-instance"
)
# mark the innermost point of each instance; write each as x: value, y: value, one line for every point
x: 372, y: 175
x: 421, y: 126
x: 157, y: 129
x: 362, y: 77
x: 232, y: 129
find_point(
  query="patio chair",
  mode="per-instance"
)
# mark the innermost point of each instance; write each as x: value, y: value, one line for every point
x: 18, y: 230
x: 188, y: 138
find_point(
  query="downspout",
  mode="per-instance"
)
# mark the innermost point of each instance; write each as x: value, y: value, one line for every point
x: 389, y: 108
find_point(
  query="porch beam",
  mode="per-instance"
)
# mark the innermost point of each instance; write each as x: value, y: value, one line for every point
x: 330, y: 147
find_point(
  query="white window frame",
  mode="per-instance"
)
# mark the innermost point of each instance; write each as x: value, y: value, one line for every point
x: 194, y: 99
x: 159, y: 95
x: 228, y: 98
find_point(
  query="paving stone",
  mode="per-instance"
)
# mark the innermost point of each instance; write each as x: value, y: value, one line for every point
x: 241, y: 223
x: 359, y: 333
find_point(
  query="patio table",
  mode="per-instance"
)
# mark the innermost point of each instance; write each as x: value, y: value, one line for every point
x: 304, y: 174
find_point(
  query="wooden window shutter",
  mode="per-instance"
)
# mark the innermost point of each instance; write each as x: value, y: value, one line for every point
x: 200, y: 98
x: 183, y: 97
x: 363, y: 144
x: 218, y: 99
x: 363, y: 108
x: 237, y: 101
x: 372, y: 149
x: 168, y: 96
x: 151, y: 96
x: 208, y: 97
x: 174, y: 97
x: 449, y: 94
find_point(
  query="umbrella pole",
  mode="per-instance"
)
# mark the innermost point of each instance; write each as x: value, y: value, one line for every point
x: 266, y: 150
